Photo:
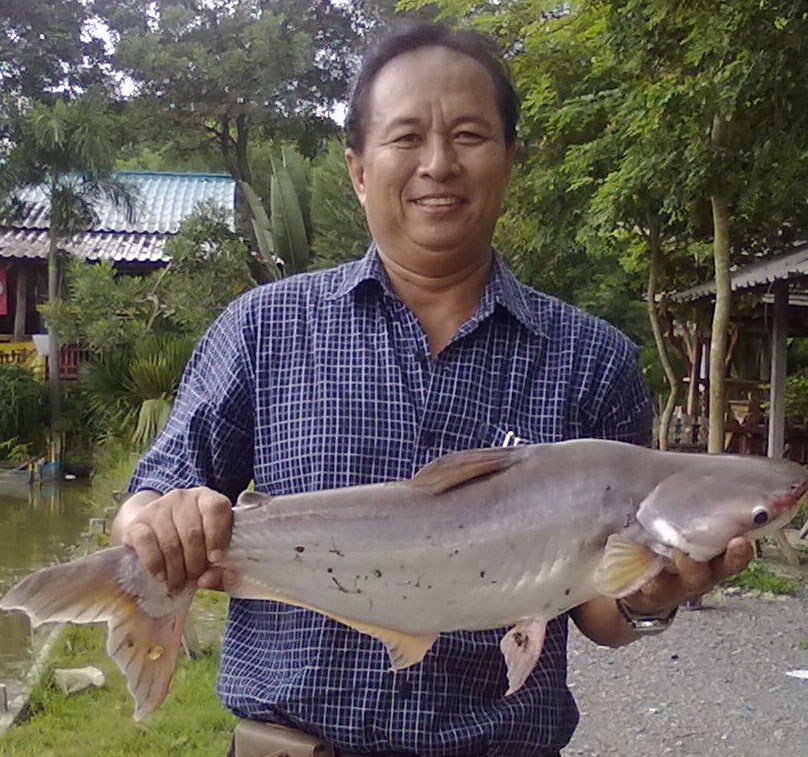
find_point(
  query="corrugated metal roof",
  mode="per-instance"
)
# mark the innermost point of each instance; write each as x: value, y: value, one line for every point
x: 162, y: 201
x: 92, y: 245
x: 760, y: 273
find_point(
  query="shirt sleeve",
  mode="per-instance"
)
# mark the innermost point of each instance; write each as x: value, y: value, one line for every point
x: 616, y: 403
x: 207, y: 439
x: 627, y: 413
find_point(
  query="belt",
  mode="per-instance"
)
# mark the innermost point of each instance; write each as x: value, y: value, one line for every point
x: 253, y: 738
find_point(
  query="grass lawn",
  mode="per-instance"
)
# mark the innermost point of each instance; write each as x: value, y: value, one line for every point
x: 191, y: 721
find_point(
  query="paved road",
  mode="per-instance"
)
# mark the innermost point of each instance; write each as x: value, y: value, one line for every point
x: 713, y: 684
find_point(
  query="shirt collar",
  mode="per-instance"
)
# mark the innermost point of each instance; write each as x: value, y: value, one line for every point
x: 502, y: 288
x: 367, y: 268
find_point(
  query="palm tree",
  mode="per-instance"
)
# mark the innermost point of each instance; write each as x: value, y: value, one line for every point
x: 68, y: 149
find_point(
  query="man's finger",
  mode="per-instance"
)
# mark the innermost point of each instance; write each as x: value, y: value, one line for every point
x: 143, y: 540
x: 212, y: 578
x: 171, y: 547
x: 694, y: 577
x: 217, y: 519
x: 188, y: 523
x: 736, y: 557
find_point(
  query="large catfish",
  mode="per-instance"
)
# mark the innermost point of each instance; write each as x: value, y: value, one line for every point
x: 478, y: 539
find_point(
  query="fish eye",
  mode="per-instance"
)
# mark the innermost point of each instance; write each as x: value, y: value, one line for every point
x: 760, y: 515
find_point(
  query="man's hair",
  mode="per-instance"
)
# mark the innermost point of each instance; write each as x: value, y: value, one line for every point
x: 412, y: 36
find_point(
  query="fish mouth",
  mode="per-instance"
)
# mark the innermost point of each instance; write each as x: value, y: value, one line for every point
x: 787, y: 502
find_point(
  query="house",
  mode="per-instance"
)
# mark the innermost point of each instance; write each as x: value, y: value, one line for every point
x: 161, y: 202
x: 776, y: 306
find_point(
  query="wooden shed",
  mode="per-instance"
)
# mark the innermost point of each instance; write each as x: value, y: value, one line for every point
x: 777, y: 308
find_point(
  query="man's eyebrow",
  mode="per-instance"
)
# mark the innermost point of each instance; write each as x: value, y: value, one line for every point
x: 400, y: 121
x: 472, y: 118
x: 464, y: 118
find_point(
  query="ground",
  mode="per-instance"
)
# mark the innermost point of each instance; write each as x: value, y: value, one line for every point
x: 713, y: 684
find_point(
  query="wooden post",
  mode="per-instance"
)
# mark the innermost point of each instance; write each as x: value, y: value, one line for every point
x: 777, y: 396
x: 21, y: 308
x: 777, y: 392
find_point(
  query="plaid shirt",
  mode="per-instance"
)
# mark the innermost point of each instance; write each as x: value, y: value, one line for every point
x: 325, y: 380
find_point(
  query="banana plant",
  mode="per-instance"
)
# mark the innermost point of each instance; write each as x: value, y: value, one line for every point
x: 283, y: 235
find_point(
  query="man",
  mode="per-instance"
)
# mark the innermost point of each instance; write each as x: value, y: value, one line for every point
x: 366, y: 372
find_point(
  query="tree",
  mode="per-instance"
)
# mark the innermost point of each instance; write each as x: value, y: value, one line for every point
x: 736, y: 74
x: 638, y: 117
x: 233, y: 72
x: 108, y: 312
x: 141, y: 329
x: 340, y: 228
x: 67, y: 148
x: 47, y: 51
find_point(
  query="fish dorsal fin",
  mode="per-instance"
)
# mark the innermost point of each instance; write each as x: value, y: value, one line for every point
x: 458, y: 468
x: 625, y: 566
x: 521, y: 648
x: 403, y: 649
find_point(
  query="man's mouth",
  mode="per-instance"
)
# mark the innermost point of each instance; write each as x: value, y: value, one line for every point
x: 437, y: 202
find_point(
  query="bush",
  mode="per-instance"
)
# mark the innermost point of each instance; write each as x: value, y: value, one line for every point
x: 797, y: 399
x: 22, y: 405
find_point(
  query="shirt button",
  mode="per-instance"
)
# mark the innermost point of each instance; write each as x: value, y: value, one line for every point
x: 427, y: 438
x: 405, y: 690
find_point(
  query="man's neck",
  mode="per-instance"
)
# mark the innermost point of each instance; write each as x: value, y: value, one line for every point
x: 443, y: 297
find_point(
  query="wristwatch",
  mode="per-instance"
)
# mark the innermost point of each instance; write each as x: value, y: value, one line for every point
x: 647, y: 625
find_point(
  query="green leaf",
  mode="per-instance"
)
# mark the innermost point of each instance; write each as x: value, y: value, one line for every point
x: 288, y: 229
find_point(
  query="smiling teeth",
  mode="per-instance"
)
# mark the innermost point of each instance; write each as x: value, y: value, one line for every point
x: 437, y: 201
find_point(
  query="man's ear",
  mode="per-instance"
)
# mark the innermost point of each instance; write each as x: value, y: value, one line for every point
x: 510, y: 154
x: 356, y: 171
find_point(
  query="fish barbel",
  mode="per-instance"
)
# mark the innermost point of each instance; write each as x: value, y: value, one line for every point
x: 478, y: 539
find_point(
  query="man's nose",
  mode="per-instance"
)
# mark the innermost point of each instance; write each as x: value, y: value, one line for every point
x: 438, y: 158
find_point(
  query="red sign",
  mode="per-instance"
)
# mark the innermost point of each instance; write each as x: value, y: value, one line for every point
x: 3, y: 290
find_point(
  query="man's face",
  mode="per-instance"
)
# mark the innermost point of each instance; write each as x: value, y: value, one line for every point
x: 434, y: 167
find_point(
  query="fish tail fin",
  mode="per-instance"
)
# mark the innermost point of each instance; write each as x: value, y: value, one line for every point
x: 144, y: 622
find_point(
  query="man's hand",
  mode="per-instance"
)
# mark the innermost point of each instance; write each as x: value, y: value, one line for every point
x: 178, y: 537
x: 687, y: 579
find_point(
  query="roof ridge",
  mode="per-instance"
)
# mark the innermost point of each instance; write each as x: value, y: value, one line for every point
x: 138, y: 172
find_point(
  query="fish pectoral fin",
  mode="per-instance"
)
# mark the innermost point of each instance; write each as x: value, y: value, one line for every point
x: 521, y: 648
x: 461, y: 467
x: 88, y: 590
x: 403, y: 649
x: 625, y: 567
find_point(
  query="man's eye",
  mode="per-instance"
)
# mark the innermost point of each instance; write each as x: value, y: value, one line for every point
x: 469, y: 137
x: 405, y: 139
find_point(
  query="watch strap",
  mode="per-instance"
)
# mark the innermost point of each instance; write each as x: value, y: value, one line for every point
x: 643, y: 623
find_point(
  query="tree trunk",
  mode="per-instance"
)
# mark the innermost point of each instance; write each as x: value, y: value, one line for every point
x: 653, y: 315
x: 53, y: 343
x: 21, y: 309
x: 723, y: 296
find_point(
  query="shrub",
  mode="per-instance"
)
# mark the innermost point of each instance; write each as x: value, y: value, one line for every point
x: 22, y: 405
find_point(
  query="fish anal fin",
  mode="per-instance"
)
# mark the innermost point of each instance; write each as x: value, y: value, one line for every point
x: 458, y: 468
x: 521, y: 648
x: 404, y: 649
x: 625, y: 567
